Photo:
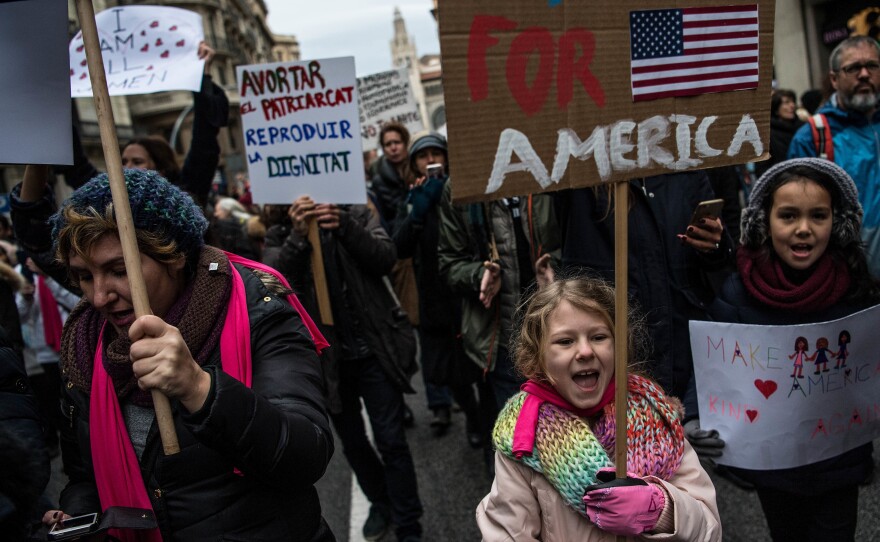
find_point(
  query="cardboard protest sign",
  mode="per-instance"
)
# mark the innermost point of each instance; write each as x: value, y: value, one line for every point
x: 301, y: 131
x: 786, y: 396
x: 145, y: 49
x: 386, y: 97
x: 543, y: 96
x: 34, y: 94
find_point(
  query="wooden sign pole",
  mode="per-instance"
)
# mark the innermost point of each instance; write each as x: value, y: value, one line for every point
x: 621, y: 325
x: 318, y: 274
x: 86, y: 13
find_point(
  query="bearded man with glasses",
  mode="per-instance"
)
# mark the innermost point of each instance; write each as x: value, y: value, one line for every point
x: 850, y: 119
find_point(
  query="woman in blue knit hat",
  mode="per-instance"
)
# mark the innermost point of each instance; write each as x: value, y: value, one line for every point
x: 226, y: 344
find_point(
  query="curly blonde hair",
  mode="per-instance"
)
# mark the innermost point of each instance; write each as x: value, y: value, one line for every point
x: 591, y: 295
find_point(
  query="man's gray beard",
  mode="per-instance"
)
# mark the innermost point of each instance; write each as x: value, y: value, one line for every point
x: 860, y: 102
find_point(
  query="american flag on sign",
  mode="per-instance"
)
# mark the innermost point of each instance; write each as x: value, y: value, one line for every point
x: 690, y: 51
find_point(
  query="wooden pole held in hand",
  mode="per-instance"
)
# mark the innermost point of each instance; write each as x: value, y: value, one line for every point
x: 621, y: 324
x: 318, y: 275
x: 121, y: 208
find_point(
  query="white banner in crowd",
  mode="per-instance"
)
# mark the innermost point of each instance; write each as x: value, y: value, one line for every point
x: 34, y: 96
x: 386, y: 97
x: 787, y: 396
x: 301, y: 131
x: 145, y: 49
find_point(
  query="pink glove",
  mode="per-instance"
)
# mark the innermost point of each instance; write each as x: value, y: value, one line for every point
x: 624, y: 506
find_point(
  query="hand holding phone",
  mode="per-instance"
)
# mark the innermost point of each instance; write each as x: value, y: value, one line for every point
x: 705, y: 229
x: 74, y: 527
x: 707, y: 209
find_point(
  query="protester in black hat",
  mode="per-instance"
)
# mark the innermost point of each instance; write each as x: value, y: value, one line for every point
x: 801, y: 261
x: 225, y: 343
x: 444, y: 368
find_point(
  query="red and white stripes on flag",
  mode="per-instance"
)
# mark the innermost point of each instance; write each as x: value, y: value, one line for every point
x: 690, y: 51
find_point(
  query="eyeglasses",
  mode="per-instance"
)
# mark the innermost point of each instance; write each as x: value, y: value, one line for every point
x: 855, y: 69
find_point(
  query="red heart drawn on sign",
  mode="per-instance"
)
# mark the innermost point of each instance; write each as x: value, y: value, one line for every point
x: 145, y: 48
x: 752, y: 414
x: 150, y: 67
x: 180, y: 43
x: 79, y: 49
x: 154, y: 24
x: 173, y: 28
x: 159, y: 42
x: 83, y: 63
x: 83, y: 76
x: 766, y: 387
x: 164, y: 55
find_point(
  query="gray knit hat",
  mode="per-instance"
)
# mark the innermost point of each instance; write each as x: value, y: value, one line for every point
x: 847, y: 210
x: 156, y: 206
x: 425, y: 140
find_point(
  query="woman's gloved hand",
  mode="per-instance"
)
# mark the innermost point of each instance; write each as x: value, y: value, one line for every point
x: 624, y: 506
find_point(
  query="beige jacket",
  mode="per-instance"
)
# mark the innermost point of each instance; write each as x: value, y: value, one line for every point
x: 522, y: 505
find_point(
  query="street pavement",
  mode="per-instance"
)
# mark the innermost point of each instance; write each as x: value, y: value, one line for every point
x: 452, y: 480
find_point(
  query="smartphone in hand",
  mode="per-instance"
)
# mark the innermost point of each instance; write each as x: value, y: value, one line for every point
x: 73, y: 528
x: 707, y: 209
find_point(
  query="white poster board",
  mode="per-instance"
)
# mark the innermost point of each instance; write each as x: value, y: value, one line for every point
x: 145, y: 49
x: 773, y: 420
x: 35, y: 103
x: 301, y: 131
x: 386, y: 97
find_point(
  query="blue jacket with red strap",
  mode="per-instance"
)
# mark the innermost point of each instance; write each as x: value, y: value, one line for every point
x: 856, y: 144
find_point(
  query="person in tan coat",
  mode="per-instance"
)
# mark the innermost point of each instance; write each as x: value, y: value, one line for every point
x: 554, y: 476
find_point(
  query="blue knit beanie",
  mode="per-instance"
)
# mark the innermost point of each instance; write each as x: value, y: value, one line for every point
x: 156, y: 206
x: 847, y: 211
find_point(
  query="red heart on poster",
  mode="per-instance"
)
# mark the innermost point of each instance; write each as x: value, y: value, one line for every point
x: 752, y: 414
x: 79, y: 49
x: 173, y: 28
x: 150, y: 67
x: 180, y: 43
x: 159, y: 42
x: 145, y: 48
x: 766, y: 387
x: 83, y: 63
x: 164, y: 55
x: 83, y: 76
x: 154, y: 24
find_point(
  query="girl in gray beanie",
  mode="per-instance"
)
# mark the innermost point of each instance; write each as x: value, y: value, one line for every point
x: 802, y: 261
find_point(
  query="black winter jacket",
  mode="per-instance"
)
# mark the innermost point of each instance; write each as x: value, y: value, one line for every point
x: 357, y: 256
x: 735, y: 305
x: 277, y: 434
x: 667, y: 279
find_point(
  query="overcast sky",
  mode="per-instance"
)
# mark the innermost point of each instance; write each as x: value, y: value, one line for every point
x: 359, y: 28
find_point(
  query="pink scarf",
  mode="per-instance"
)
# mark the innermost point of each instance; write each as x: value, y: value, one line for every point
x: 537, y: 394
x: 117, y: 471
x: 51, y: 315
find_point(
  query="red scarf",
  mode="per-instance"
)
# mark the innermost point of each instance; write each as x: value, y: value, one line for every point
x: 537, y: 394
x: 50, y: 314
x: 117, y: 471
x: 765, y: 280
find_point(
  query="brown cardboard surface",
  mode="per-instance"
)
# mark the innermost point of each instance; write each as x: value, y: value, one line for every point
x: 476, y: 122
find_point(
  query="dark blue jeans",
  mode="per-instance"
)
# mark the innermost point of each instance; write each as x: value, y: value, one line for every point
x: 503, y: 379
x: 393, y: 479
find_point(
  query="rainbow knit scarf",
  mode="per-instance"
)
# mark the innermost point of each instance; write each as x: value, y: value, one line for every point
x: 569, y: 453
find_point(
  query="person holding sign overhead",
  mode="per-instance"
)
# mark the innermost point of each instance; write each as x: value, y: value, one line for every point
x: 211, y: 112
x: 554, y: 474
x: 227, y: 345
x: 802, y: 261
